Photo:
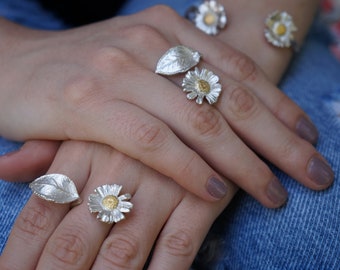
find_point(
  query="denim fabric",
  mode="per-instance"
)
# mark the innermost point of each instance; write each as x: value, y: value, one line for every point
x: 305, y: 233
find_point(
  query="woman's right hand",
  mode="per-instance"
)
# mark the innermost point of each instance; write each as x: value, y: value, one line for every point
x: 97, y: 83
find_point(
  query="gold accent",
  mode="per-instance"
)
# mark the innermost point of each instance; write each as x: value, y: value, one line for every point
x: 110, y: 202
x: 203, y: 86
x: 281, y: 29
x: 209, y: 18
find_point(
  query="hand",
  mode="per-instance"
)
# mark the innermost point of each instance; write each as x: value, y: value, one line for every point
x: 48, y: 235
x: 107, y: 92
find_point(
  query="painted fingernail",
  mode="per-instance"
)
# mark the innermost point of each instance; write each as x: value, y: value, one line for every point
x: 307, y: 130
x: 276, y: 192
x: 319, y: 171
x: 217, y: 188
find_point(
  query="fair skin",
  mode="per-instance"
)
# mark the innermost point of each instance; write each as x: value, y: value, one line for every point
x: 50, y: 236
x: 280, y: 145
x: 89, y: 95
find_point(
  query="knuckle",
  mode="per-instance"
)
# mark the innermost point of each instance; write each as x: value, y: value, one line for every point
x: 163, y: 12
x: 119, y: 251
x: 142, y: 34
x: 206, y: 121
x: 242, y: 67
x: 179, y: 243
x: 151, y: 136
x: 111, y: 60
x: 188, y: 165
x: 34, y: 222
x: 79, y: 92
x: 281, y: 106
x: 241, y: 103
x: 288, y: 150
x: 68, y: 248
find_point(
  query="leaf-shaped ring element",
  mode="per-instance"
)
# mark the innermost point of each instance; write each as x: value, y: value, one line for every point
x: 57, y: 188
x: 178, y: 59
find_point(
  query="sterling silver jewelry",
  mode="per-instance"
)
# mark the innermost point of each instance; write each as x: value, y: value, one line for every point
x: 198, y: 84
x: 177, y: 59
x: 279, y: 30
x: 202, y: 84
x: 209, y: 16
x: 108, y: 204
x: 57, y: 188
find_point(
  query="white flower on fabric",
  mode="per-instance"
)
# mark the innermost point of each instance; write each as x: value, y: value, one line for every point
x: 109, y: 205
x: 210, y: 17
x: 279, y: 29
x: 202, y: 84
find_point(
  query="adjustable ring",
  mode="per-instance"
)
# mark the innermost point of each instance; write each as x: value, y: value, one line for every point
x: 200, y: 83
x: 209, y: 16
x: 57, y: 188
x: 279, y: 30
x: 108, y: 204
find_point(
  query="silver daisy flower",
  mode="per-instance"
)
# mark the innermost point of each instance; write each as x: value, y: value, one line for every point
x: 279, y: 29
x: 109, y: 205
x: 202, y: 84
x: 210, y: 17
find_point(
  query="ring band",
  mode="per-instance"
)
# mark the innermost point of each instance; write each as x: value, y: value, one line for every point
x: 279, y: 30
x: 209, y: 16
x: 108, y: 204
x: 57, y: 188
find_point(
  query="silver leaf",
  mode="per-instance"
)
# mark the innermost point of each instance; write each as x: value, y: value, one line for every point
x: 57, y: 188
x: 176, y: 60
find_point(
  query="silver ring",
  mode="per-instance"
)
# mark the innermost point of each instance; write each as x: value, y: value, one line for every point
x: 108, y: 204
x: 57, y: 188
x: 279, y: 30
x: 209, y: 16
x: 199, y: 83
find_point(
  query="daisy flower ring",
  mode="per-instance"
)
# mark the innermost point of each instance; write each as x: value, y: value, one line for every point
x: 109, y: 205
x: 279, y: 30
x: 209, y: 16
x: 200, y: 84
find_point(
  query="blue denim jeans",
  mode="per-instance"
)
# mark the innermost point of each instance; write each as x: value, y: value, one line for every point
x: 304, y: 234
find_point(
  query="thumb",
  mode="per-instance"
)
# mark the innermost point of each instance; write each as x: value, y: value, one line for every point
x: 30, y: 161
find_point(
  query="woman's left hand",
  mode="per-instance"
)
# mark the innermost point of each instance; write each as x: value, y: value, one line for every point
x: 164, y: 217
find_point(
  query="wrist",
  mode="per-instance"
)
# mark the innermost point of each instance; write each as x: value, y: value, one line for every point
x: 245, y: 31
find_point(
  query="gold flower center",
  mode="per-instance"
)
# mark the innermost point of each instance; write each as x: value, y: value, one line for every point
x: 110, y: 202
x: 203, y: 86
x: 281, y: 29
x: 209, y: 18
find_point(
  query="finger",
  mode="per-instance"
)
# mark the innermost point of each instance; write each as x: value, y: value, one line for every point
x: 244, y: 111
x: 143, y: 137
x: 129, y: 243
x: 233, y: 63
x: 202, y: 127
x: 30, y: 161
x: 76, y: 241
x: 180, y: 240
x: 39, y: 218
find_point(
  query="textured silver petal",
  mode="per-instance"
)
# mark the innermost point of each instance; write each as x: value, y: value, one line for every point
x: 57, y: 188
x: 176, y: 60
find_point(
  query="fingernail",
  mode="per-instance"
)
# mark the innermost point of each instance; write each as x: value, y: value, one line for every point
x: 276, y: 192
x: 320, y: 172
x: 216, y: 188
x: 307, y: 130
